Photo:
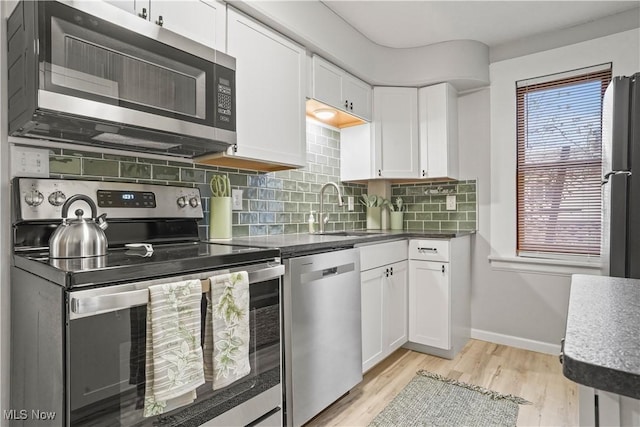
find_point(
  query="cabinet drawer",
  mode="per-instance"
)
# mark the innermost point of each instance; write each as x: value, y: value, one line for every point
x: 429, y: 250
x: 372, y: 256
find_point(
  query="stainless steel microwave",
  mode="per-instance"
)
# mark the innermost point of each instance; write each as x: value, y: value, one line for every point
x: 90, y: 73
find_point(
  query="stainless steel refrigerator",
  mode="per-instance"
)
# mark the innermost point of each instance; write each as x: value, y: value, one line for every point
x: 620, y: 249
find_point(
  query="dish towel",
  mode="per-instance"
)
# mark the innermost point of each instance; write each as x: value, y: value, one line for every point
x: 226, y: 332
x: 174, y: 365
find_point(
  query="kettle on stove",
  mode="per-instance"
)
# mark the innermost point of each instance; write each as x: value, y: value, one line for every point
x: 79, y: 237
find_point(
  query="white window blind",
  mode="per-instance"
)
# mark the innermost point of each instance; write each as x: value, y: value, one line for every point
x: 559, y: 137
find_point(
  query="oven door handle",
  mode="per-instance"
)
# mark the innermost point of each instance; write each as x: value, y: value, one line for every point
x: 90, y: 305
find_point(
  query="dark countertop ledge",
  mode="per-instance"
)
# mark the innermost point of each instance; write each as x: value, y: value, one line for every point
x: 293, y: 244
x: 602, y: 339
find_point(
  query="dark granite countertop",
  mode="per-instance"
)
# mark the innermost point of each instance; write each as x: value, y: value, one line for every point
x: 294, y: 244
x: 602, y: 339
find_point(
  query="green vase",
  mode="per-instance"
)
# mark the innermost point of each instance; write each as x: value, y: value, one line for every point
x: 396, y: 220
x: 220, y: 218
x: 373, y: 218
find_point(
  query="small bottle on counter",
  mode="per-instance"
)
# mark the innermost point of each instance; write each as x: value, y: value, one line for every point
x: 312, y: 223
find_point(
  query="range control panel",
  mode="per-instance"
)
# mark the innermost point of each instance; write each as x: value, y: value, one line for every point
x: 43, y: 199
x: 126, y: 199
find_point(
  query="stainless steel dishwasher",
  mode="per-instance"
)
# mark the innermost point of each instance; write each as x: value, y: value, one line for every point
x: 322, y: 331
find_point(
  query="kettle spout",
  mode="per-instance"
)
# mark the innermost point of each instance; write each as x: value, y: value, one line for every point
x: 102, y: 221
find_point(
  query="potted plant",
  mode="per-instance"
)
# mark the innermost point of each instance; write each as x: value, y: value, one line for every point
x: 396, y: 213
x: 220, y: 208
x: 374, y: 205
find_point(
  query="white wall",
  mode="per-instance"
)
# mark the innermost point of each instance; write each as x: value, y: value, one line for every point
x: 515, y: 306
x: 5, y: 223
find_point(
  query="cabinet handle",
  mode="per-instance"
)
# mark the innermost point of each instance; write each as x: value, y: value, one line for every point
x: 346, y: 104
x: 424, y: 173
x: 351, y: 106
x: 143, y: 15
x: 379, y: 172
x: 235, y: 148
x: 442, y: 268
x: 391, y: 271
x: 434, y: 250
x: 160, y: 21
x: 386, y: 272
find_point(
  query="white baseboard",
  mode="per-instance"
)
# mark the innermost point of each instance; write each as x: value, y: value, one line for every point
x: 510, y: 340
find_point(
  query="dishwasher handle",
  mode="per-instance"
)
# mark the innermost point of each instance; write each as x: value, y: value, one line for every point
x: 319, y: 274
x: 81, y: 306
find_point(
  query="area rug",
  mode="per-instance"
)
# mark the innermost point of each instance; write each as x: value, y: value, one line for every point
x: 433, y: 400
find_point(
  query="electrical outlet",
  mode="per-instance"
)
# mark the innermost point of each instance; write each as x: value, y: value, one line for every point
x: 236, y: 200
x: 28, y: 161
x: 451, y: 203
x: 350, y: 203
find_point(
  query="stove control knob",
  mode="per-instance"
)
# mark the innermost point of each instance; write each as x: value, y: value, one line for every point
x: 57, y: 198
x: 194, y: 202
x: 182, y: 202
x: 34, y: 198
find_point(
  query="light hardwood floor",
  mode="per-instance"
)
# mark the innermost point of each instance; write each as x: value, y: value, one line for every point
x: 534, y: 376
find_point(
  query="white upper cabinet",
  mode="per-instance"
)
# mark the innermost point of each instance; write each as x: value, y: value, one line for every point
x: 270, y: 96
x: 337, y: 88
x: 199, y: 20
x: 395, y: 120
x: 414, y: 135
x: 438, y: 110
x: 355, y: 153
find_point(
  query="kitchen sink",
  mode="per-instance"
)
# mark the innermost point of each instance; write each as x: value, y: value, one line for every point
x: 348, y: 233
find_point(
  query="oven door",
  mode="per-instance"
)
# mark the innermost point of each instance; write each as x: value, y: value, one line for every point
x: 106, y: 357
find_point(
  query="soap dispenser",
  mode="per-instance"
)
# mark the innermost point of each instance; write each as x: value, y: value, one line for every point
x: 312, y: 223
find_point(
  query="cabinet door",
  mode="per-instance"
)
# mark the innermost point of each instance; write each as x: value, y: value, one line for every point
x: 202, y: 21
x: 372, y: 282
x: 270, y: 82
x: 130, y: 5
x: 357, y: 96
x: 327, y: 83
x: 355, y: 153
x: 395, y: 301
x: 438, y: 110
x: 429, y: 304
x: 395, y: 117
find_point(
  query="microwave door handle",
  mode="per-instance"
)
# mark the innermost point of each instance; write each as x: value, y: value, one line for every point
x: 123, y: 300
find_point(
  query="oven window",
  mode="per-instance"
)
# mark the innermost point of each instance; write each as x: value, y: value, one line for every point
x: 106, y: 366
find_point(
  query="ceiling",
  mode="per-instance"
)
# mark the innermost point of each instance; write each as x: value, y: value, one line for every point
x: 408, y: 24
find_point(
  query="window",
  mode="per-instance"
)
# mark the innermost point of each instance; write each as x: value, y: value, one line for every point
x: 559, y: 136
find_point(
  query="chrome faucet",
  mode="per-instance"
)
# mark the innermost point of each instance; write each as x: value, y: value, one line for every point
x: 321, y: 220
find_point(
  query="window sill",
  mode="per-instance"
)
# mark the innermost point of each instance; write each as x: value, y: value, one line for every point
x: 544, y: 266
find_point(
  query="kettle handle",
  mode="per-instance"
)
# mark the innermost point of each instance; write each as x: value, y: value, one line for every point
x: 73, y: 199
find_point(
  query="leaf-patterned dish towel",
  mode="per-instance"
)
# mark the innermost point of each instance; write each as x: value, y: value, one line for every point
x: 226, y: 333
x: 174, y: 365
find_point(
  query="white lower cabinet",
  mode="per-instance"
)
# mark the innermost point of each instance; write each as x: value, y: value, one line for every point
x: 439, y: 295
x: 430, y: 318
x: 608, y: 409
x: 384, y: 300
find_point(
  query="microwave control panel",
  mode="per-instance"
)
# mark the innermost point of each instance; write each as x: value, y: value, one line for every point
x: 225, y: 98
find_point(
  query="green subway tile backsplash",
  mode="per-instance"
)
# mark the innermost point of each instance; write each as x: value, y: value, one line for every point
x: 97, y: 167
x: 427, y: 209
x: 65, y: 165
x: 280, y: 202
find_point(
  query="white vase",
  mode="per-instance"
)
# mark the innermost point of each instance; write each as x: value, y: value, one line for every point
x: 397, y: 220
x: 220, y: 218
x: 374, y: 218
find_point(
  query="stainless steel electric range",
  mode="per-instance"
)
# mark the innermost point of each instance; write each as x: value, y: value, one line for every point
x: 78, y: 324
